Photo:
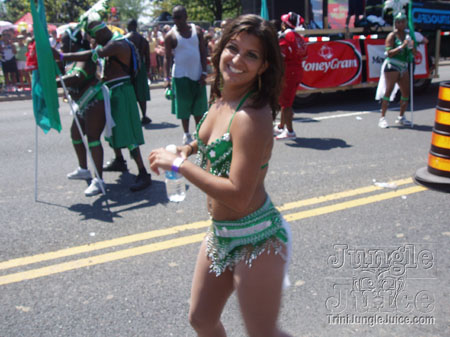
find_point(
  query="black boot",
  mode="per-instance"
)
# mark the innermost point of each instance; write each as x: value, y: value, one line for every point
x: 143, y: 180
x: 116, y: 165
x: 145, y: 120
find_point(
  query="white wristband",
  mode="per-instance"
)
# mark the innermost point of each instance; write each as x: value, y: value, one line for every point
x: 177, y: 162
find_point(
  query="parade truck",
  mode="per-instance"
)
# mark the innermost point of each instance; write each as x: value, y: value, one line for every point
x: 347, y: 54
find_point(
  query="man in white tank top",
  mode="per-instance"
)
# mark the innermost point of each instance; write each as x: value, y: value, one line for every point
x: 185, y: 66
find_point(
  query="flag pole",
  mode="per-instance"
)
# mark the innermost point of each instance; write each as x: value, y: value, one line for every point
x: 36, y: 163
x: 77, y: 122
x: 411, y: 59
x: 411, y: 90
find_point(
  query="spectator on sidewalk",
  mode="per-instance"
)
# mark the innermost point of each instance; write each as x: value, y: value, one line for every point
x: 9, y: 65
x: 24, y: 75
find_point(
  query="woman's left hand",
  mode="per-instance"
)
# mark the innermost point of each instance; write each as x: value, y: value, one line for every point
x: 161, y: 159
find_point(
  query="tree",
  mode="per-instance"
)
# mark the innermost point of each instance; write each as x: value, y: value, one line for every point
x: 58, y: 11
x: 15, y: 9
x: 71, y: 10
x: 201, y: 10
x: 128, y: 9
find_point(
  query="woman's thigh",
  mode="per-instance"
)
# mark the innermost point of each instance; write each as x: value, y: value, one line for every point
x: 403, y: 83
x: 75, y: 132
x: 209, y: 292
x: 259, y: 290
x: 95, y: 120
x: 391, y: 77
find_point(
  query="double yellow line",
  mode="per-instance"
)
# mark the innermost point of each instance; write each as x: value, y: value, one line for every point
x: 184, y: 240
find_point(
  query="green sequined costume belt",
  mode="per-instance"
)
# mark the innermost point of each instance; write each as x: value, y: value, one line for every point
x: 229, y: 242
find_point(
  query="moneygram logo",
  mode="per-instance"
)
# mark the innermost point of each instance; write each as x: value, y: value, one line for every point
x: 373, y: 280
x: 418, y: 58
x: 332, y: 64
x: 326, y: 52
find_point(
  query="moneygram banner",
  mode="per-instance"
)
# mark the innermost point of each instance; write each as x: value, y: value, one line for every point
x: 332, y: 64
x: 375, y: 57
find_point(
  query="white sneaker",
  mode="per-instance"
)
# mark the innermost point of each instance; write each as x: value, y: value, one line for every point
x: 94, y: 188
x: 286, y: 135
x: 403, y: 121
x: 277, y: 131
x: 382, y: 123
x: 187, y: 138
x: 80, y: 173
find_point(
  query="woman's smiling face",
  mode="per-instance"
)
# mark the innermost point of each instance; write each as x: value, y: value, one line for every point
x: 242, y: 60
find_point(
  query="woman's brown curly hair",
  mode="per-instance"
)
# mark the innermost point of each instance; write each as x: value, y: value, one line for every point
x: 271, y: 78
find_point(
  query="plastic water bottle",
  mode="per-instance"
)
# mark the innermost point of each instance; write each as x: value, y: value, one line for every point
x: 175, y: 187
x: 410, y: 41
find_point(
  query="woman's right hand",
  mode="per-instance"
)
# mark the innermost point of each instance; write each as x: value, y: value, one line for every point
x: 161, y: 159
x: 404, y: 44
x: 185, y: 150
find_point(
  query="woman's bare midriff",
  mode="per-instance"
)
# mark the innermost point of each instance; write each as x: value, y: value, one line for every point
x: 221, y: 212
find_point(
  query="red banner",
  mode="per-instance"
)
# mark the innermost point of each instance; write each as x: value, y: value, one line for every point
x: 332, y: 64
x: 375, y: 57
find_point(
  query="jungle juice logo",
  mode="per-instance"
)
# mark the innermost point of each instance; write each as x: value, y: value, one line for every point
x: 395, y: 280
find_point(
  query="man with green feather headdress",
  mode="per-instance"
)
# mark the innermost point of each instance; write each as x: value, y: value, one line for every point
x: 116, y: 57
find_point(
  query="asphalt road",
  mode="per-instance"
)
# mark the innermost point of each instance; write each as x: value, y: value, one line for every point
x: 121, y: 264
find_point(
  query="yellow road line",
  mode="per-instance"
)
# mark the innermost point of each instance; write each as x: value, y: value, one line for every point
x: 339, y: 195
x: 99, y: 259
x: 182, y: 241
x: 353, y: 203
x: 22, y: 261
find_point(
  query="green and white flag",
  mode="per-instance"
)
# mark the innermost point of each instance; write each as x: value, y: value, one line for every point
x: 264, y: 11
x: 44, y: 92
x: 411, y: 23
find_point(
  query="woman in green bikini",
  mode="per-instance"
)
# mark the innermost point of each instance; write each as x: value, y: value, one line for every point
x: 247, y: 246
x: 400, y: 51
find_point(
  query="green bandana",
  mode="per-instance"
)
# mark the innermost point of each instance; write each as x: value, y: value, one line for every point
x: 95, y: 29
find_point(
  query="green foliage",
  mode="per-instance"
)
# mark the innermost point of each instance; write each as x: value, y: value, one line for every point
x: 57, y: 11
x: 15, y: 9
x: 201, y: 10
x: 63, y: 11
x: 128, y: 9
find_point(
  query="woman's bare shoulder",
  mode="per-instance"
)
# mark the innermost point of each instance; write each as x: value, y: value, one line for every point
x: 258, y: 119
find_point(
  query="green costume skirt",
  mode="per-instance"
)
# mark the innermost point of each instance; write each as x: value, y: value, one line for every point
x: 230, y: 242
x: 141, y: 84
x: 127, y: 131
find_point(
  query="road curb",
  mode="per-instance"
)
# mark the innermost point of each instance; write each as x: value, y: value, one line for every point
x: 21, y: 96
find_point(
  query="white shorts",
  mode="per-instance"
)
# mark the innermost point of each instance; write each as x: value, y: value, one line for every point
x: 21, y: 65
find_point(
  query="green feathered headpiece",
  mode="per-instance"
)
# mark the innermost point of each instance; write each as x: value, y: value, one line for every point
x: 94, y: 14
x: 400, y: 16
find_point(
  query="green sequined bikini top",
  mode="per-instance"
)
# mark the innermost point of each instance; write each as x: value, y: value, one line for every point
x: 219, y: 152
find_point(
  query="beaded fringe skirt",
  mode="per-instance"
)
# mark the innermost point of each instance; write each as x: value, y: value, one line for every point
x: 230, y: 242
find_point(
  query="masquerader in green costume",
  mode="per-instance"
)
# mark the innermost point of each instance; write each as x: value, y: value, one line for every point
x: 400, y: 50
x: 140, y: 83
x: 79, y: 78
x: 248, y: 244
x: 123, y: 127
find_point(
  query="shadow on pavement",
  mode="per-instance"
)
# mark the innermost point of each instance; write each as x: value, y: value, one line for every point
x: 119, y: 199
x: 364, y: 100
x: 304, y: 120
x: 318, y: 143
x: 416, y: 127
x: 160, y: 126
